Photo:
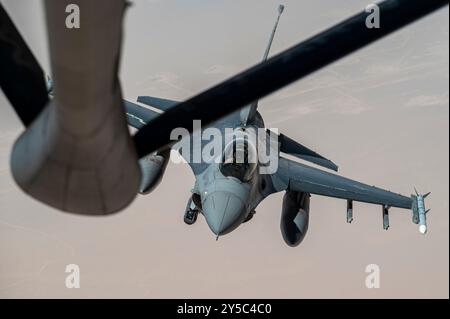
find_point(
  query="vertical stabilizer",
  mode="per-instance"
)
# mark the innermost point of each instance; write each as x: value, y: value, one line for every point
x: 248, y: 113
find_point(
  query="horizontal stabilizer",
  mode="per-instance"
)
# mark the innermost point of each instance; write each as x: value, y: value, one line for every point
x: 138, y: 116
x: 156, y: 102
x: 291, y: 147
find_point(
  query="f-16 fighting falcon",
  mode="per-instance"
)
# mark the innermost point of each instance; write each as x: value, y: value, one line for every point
x: 227, y: 191
x: 86, y: 162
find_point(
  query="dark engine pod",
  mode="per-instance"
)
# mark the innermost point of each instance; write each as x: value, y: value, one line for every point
x: 153, y: 167
x: 294, y: 217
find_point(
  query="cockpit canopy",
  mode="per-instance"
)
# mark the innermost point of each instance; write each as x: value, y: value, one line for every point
x: 239, y: 159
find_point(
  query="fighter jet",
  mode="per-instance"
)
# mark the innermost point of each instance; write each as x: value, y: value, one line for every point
x: 86, y: 162
x: 229, y: 187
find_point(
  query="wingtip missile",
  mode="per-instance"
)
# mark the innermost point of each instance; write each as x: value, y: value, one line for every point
x: 419, y: 212
x: 423, y: 229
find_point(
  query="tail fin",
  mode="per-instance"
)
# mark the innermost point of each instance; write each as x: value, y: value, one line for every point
x: 248, y: 113
x: 266, y: 54
x: 291, y: 147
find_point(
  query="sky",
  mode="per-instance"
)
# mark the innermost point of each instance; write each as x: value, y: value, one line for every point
x: 381, y: 114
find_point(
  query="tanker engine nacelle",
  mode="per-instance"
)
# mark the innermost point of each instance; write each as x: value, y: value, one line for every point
x: 153, y: 167
x: 294, y: 217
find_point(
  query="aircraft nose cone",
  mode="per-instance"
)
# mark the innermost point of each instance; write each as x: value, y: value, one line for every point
x: 223, y: 212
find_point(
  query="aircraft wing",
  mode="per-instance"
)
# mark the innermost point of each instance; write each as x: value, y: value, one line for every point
x: 295, y: 176
x: 138, y: 116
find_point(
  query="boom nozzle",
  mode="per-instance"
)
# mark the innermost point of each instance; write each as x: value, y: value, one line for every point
x: 280, y: 9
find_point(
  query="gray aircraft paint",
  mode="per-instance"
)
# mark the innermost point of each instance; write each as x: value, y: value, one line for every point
x: 227, y: 202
